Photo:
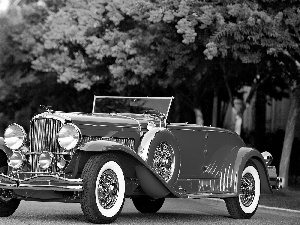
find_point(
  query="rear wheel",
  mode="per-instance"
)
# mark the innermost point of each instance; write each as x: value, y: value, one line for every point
x: 146, y: 204
x: 103, y: 189
x: 245, y: 205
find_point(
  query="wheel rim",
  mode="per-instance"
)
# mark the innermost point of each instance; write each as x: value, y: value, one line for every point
x: 247, y: 189
x: 164, y: 160
x: 4, y: 197
x: 108, y: 189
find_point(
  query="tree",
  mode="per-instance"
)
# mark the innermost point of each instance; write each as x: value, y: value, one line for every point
x: 267, y: 28
x: 20, y: 36
x: 99, y: 41
x: 249, y: 32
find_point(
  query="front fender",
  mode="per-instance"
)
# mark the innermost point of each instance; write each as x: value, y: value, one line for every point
x: 243, y: 155
x: 5, y: 149
x: 134, y: 166
x: 143, y: 150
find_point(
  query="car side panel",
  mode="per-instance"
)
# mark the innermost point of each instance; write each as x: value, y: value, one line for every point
x: 191, y: 144
x: 219, y: 145
x: 218, y: 158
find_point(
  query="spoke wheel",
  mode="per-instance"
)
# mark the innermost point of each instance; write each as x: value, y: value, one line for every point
x: 164, y: 160
x: 107, y: 189
x: 247, y: 191
x: 103, y: 189
x: 245, y: 205
x: 164, y: 156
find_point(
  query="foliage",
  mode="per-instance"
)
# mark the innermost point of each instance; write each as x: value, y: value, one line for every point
x: 21, y: 33
x: 88, y: 42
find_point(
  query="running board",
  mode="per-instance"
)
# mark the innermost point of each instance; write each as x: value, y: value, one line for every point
x: 211, y: 195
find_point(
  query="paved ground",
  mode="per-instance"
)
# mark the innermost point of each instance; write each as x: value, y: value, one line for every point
x: 174, y: 211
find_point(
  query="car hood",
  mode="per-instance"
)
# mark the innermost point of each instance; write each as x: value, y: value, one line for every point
x: 135, y: 121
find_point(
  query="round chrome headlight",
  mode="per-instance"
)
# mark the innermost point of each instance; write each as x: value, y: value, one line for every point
x: 16, y: 160
x: 14, y: 136
x: 61, y: 163
x: 45, y: 160
x: 267, y: 157
x: 68, y: 136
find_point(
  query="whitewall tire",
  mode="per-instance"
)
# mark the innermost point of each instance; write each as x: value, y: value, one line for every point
x: 245, y: 205
x: 103, y: 189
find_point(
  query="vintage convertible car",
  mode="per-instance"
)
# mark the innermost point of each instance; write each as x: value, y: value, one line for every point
x: 126, y: 148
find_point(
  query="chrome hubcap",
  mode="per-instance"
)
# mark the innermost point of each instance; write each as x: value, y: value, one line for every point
x: 164, y: 160
x: 108, y: 189
x: 247, y: 189
x: 5, y: 195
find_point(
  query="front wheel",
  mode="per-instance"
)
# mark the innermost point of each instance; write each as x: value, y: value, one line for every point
x: 8, y: 205
x: 245, y: 205
x: 103, y: 189
x: 146, y: 204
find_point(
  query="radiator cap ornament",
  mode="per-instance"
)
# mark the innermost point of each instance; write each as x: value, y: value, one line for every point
x: 47, y: 108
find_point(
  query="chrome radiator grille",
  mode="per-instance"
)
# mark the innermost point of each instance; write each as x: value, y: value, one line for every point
x: 43, y: 133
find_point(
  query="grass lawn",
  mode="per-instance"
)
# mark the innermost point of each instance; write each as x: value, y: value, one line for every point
x: 288, y: 198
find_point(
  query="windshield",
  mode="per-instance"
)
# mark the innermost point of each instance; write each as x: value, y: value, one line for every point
x: 139, y: 105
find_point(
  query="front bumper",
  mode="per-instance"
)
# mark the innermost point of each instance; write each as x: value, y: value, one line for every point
x: 41, y: 182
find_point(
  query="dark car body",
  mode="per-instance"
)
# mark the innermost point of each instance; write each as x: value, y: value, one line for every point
x: 158, y: 159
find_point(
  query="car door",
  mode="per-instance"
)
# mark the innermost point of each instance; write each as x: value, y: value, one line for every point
x: 192, y: 144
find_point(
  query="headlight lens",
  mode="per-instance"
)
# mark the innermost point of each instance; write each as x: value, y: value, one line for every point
x: 45, y: 160
x: 14, y: 136
x: 61, y: 163
x: 68, y: 136
x: 16, y: 160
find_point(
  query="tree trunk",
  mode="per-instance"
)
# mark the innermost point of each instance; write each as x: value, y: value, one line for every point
x: 238, y: 124
x: 238, y: 111
x: 199, y: 116
x: 215, y: 110
x: 289, y: 137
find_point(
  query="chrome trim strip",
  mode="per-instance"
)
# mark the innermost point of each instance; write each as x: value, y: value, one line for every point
x: 211, y: 195
x: 171, y: 98
x: 50, y: 187
x: 97, y: 96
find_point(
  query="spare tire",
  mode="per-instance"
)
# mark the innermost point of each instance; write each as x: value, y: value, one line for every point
x: 164, y: 156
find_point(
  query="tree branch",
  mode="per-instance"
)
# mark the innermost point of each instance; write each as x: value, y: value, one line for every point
x: 226, y: 83
x: 256, y: 84
x: 286, y: 52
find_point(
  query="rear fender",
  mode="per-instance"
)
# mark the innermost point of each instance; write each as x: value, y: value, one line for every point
x: 245, y: 154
